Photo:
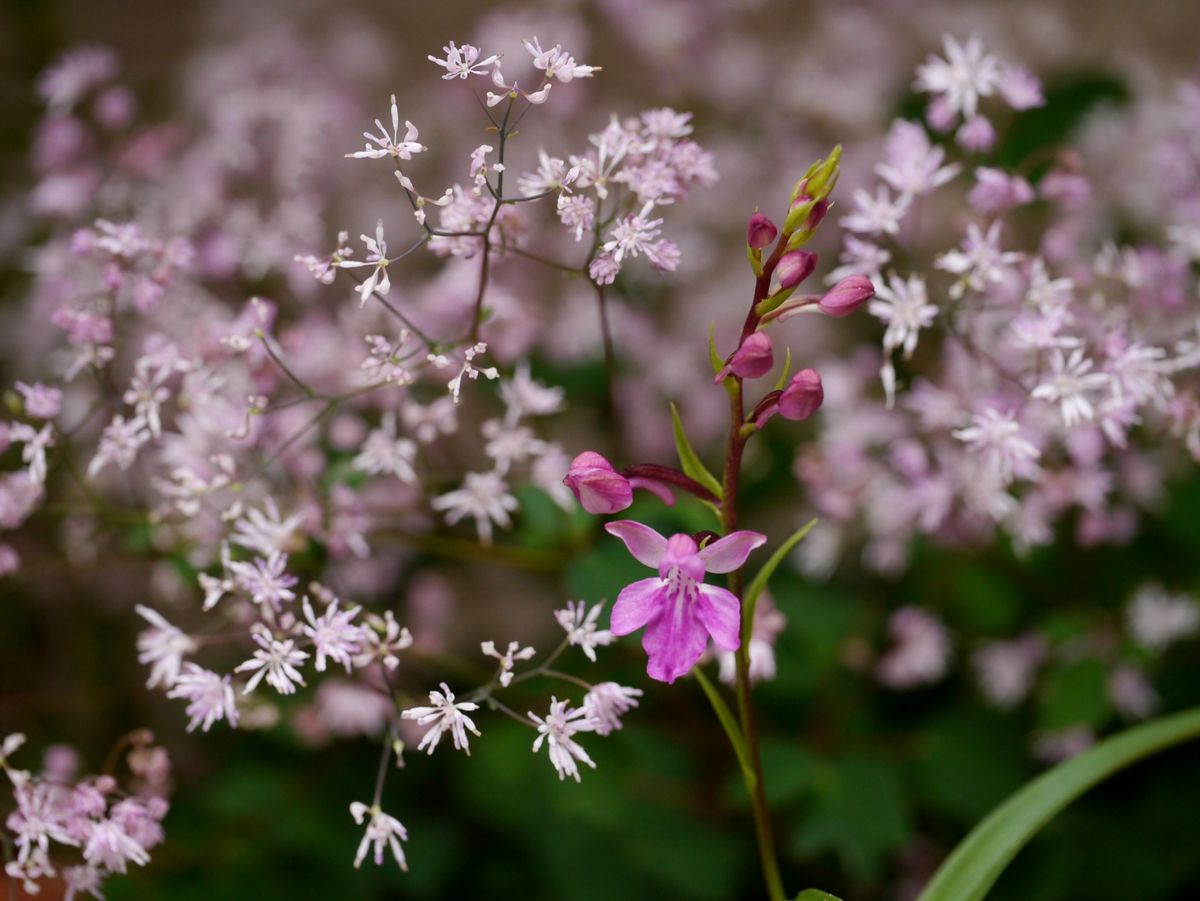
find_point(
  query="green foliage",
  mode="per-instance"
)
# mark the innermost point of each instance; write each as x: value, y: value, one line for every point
x: 970, y: 871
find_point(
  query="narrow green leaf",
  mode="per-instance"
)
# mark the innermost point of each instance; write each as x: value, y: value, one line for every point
x: 732, y: 730
x: 688, y: 459
x: 812, y: 894
x: 975, y: 865
x: 750, y: 597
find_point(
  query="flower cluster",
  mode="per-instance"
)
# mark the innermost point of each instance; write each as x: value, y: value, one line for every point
x: 1047, y: 368
x: 83, y: 830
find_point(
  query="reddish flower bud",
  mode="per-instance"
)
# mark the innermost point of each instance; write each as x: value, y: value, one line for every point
x: 794, y: 267
x: 760, y: 231
x: 847, y: 296
x: 753, y: 359
x: 803, y: 396
x: 817, y: 215
x: 597, y: 486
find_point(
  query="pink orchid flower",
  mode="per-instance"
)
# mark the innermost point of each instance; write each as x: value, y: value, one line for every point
x: 679, y: 611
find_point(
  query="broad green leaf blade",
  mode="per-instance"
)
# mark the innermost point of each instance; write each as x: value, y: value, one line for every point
x: 975, y: 865
x: 688, y: 459
x: 812, y: 894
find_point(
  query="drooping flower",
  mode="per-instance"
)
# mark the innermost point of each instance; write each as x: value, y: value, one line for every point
x: 679, y: 611
x: 377, y: 258
x: 383, y: 831
x: 556, y: 730
x: 607, y: 702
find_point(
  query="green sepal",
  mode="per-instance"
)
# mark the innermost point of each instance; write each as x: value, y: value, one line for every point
x: 768, y: 304
x: 787, y: 370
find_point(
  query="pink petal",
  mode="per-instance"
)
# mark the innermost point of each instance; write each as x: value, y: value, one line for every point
x: 646, y: 545
x: 674, y: 642
x: 726, y: 554
x: 721, y: 613
x: 637, y: 604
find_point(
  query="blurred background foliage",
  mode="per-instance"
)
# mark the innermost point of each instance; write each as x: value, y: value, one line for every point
x: 870, y: 787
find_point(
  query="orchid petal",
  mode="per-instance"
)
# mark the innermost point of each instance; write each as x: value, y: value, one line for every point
x: 646, y: 545
x: 721, y: 613
x: 674, y: 641
x: 637, y: 604
x: 727, y: 554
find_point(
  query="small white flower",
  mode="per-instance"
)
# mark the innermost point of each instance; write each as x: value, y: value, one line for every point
x: 383, y: 831
x: 997, y: 436
x: 880, y: 214
x: 1069, y: 382
x: 904, y: 305
x: 390, y: 144
x: 385, y: 454
x: 209, y: 696
x: 333, y: 633
x: 446, y: 716
x: 581, y: 627
x: 508, y: 659
x: 1157, y: 619
x: 556, y: 730
x: 163, y: 647
x: 483, y: 496
x: 382, y: 640
x: 607, y: 702
x: 276, y: 660
x: 966, y: 74
x: 462, y: 62
x: 377, y: 258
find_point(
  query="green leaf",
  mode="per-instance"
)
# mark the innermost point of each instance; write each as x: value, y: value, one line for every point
x: 812, y: 894
x: 688, y: 459
x: 977, y: 862
x: 750, y: 598
x: 734, y: 733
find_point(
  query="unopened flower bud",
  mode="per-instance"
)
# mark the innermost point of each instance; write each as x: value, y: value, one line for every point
x: 760, y: 231
x: 599, y: 488
x: 803, y: 396
x: 750, y: 361
x: 794, y: 267
x: 847, y: 296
